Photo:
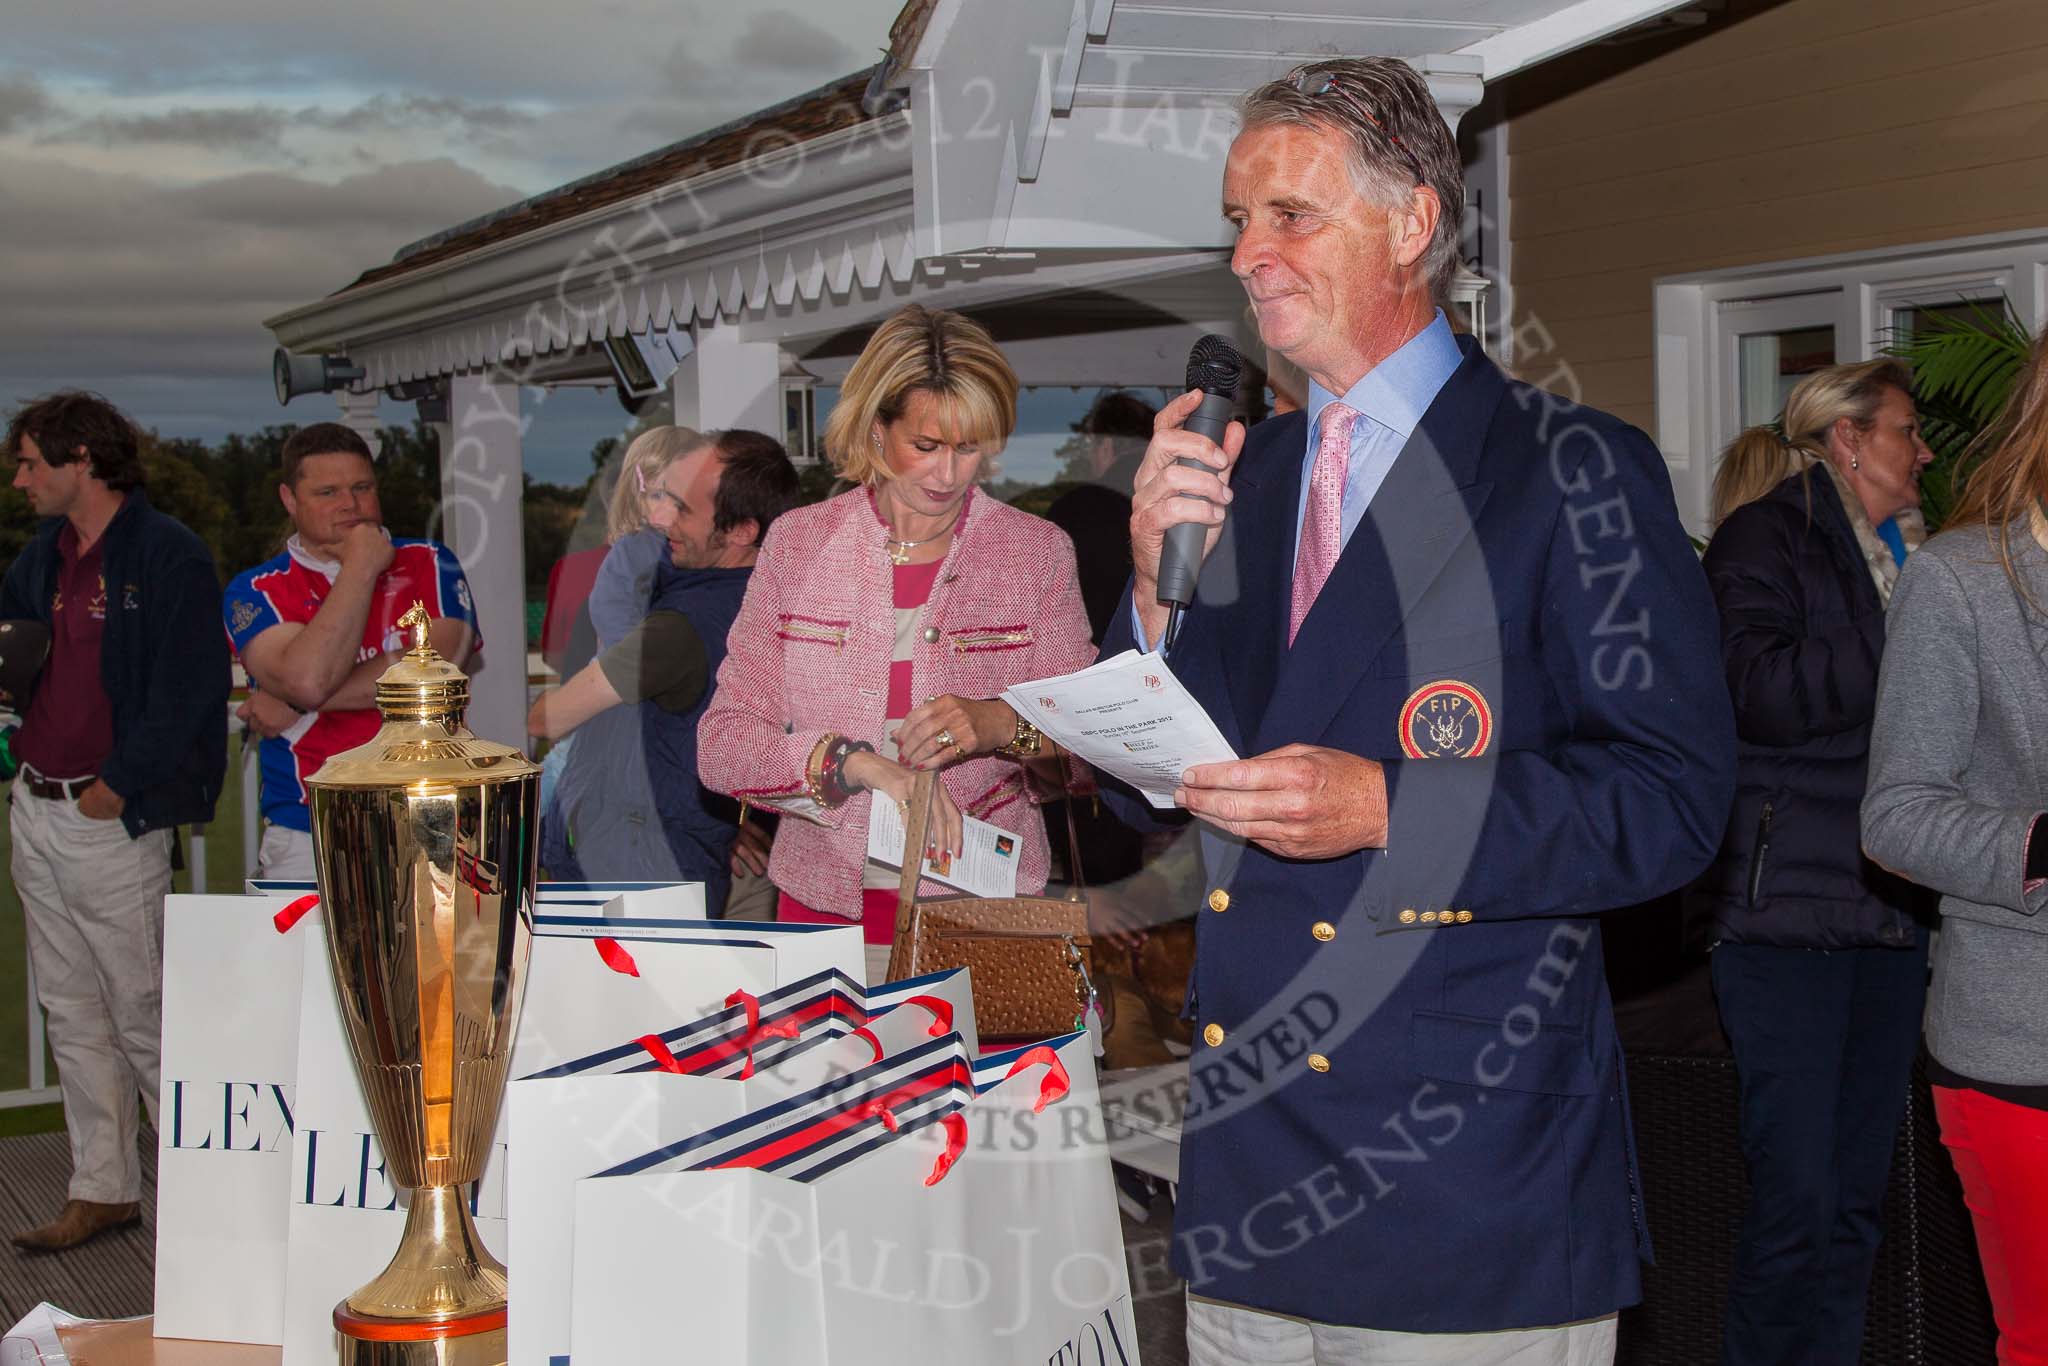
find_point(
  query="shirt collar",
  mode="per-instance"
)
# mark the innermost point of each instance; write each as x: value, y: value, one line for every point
x: 296, y: 548
x: 1396, y: 392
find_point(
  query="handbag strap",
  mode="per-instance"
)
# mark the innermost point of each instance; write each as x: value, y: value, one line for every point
x: 916, y: 820
x: 916, y: 825
x: 1075, y: 877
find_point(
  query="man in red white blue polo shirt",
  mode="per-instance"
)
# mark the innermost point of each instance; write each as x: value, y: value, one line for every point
x: 313, y: 627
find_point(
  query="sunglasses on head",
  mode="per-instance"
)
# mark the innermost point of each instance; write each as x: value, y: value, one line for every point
x: 1316, y: 83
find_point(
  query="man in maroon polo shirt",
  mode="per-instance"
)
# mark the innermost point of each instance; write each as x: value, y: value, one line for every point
x: 123, y: 739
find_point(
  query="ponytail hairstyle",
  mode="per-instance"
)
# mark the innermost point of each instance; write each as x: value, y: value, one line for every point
x: 1761, y: 458
x: 2007, y: 464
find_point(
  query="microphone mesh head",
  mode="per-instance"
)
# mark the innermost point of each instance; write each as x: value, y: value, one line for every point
x: 1214, y: 366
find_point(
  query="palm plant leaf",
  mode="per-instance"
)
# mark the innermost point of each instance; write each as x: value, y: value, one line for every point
x: 1964, y: 362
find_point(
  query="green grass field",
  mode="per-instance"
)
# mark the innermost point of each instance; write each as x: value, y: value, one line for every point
x: 223, y: 874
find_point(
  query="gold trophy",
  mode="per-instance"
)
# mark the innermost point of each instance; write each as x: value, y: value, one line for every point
x: 425, y: 840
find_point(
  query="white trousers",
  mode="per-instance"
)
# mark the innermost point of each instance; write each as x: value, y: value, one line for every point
x: 94, y: 902
x: 1221, y: 1334
x: 285, y: 855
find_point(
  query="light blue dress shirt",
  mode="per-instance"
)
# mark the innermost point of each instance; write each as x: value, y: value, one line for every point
x: 1390, y: 400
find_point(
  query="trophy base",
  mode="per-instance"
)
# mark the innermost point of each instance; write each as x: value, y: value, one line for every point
x: 368, y: 1340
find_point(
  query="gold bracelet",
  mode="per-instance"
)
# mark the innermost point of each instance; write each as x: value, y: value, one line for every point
x: 1025, y: 743
x: 814, y: 771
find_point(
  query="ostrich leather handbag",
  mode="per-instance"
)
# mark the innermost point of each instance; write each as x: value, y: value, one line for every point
x: 1028, y: 956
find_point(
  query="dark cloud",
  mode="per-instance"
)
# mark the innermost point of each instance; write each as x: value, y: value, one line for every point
x: 22, y: 102
x: 395, y: 113
x: 697, y: 88
x: 685, y: 65
x: 128, y: 278
x: 777, y: 40
x: 478, y: 49
x: 156, y: 293
x: 265, y: 127
x: 256, y: 128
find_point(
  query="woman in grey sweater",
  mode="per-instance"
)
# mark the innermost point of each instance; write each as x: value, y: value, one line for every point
x: 1958, y: 785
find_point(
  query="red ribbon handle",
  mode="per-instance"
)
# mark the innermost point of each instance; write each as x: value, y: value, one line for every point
x: 876, y: 1106
x: 295, y: 912
x: 616, y: 958
x: 659, y: 1051
x: 955, y: 1126
x: 865, y: 1033
x: 1056, y: 1083
x: 942, y: 1013
x: 756, y: 1031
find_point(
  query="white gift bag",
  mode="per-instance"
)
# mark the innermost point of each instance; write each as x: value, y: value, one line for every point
x: 592, y: 981
x: 665, y: 900
x: 233, y: 974
x: 224, y: 1138
x: 885, y: 1213
x: 589, y: 1113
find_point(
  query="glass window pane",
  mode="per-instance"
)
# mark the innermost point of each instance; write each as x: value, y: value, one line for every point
x: 1906, y: 318
x: 1770, y: 363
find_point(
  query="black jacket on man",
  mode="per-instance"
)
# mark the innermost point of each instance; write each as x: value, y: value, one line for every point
x: 1802, y: 630
x: 163, y: 660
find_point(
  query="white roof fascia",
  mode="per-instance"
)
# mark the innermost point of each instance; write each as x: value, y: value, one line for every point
x: 969, y: 286
x: 760, y: 207
x: 1561, y: 31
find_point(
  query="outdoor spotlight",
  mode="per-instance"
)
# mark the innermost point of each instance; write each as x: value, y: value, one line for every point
x: 295, y: 375
x: 643, y: 363
x: 429, y: 395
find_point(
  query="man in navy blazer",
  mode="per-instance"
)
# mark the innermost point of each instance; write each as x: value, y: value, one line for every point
x: 1454, y: 622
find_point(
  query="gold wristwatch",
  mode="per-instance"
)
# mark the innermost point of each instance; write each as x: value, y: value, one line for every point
x: 1026, y: 743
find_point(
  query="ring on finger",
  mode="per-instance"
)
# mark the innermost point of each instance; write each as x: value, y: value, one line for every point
x: 945, y: 737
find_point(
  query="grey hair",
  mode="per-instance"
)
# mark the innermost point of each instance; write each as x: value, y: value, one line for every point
x: 1395, y: 94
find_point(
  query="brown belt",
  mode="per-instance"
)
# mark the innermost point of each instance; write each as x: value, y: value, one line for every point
x: 54, y: 789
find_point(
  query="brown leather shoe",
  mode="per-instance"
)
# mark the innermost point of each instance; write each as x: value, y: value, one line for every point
x: 81, y: 1221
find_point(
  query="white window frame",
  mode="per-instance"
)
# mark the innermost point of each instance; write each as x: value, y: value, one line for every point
x: 1695, y: 339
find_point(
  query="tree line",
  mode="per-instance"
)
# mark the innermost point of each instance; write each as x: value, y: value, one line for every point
x: 227, y: 494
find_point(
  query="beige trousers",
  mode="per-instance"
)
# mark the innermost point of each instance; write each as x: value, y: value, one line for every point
x: 94, y: 902
x: 1221, y: 1334
x: 285, y: 855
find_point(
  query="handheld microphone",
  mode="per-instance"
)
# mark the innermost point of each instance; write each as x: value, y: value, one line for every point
x: 1214, y: 367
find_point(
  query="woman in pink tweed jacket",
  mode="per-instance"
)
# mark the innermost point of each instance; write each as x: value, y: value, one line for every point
x: 890, y: 616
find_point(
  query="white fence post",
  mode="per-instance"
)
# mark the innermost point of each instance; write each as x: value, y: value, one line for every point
x: 252, y: 806
x: 195, y: 861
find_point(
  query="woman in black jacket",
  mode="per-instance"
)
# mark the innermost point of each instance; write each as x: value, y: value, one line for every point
x: 1819, y: 964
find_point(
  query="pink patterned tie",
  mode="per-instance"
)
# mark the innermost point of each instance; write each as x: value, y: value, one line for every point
x: 1322, y: 525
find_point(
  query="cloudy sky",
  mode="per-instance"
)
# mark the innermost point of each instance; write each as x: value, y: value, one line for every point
x: 172, y: 172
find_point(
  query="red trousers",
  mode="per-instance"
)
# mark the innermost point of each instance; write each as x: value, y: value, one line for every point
x: 2001, y: 1153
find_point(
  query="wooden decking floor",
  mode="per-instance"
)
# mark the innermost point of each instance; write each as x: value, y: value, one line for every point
x: 111, y: 1277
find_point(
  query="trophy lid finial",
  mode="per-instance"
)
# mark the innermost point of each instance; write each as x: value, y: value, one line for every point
x: 422, y: 697
x: 416, y: 621
x: 420, y: 683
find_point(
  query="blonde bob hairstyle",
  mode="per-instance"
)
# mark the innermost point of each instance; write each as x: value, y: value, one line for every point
x: 1761, y: 458
x: 931, y: 350
x: 653, y: 451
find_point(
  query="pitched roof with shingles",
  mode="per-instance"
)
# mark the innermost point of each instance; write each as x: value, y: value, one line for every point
x: 844, y: 103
